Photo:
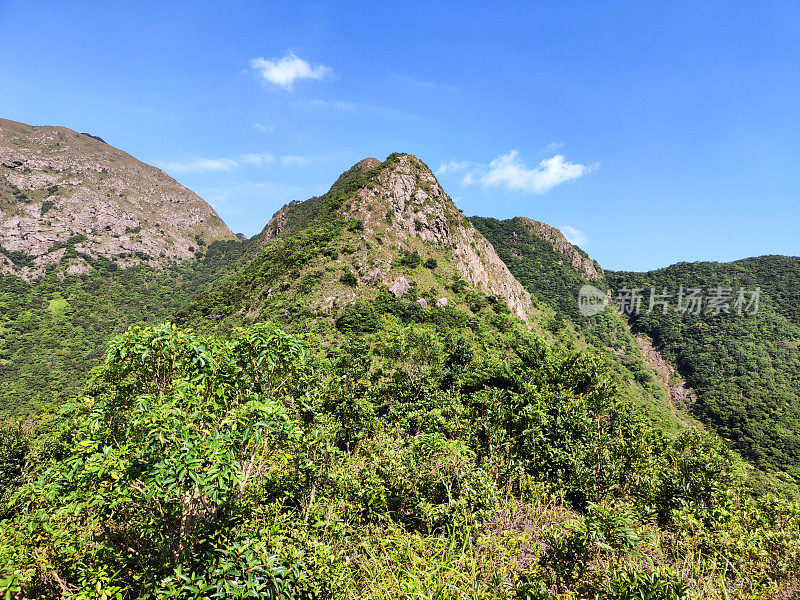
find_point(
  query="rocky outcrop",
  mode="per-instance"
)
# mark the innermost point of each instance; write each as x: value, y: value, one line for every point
x: 61, y: 190
x: 400, y: 287
x: 681, y: 396
x: 582, y: 263
x: 414, y: 206
x: 399, y: 205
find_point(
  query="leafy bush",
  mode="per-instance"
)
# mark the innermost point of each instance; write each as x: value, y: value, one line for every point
x: 410, y: 259
x: 349, y: 278
x: 358, y: 318
x: 156, y: 462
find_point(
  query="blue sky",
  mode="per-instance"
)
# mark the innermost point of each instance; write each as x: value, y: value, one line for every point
x: 652, y: 132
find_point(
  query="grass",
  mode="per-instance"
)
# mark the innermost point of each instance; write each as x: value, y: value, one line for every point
x: 57, y: 306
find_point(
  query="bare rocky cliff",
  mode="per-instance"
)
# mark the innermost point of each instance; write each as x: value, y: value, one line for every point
x: 66, y: 197
x: 421, y: 209
x: 579, y: 260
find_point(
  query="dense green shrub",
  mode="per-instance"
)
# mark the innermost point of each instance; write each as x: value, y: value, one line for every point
x: 349, y: 278
x: 410, y: 259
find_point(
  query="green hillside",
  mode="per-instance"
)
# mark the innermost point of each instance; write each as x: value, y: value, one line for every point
x: 554, y: 282
x: 54, y: 329
x: 744, y: 368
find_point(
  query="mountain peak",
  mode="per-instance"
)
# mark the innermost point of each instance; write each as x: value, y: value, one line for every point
x: 67, y: 198
x: 367, y: 163
x: 397, y: 206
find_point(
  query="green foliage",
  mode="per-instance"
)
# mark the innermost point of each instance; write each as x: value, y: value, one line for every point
x: 236, y: 466
x: 410, y: 259
x: 430, y: 264
x: 349, y: 278
x: 15, y: 441
x: 554, y: 282
x: 409, y: 453
x: 154, y: 466
x: 744, y: 368
x: 53, y: 330
x: 355, y: 225
x: 358, y: 318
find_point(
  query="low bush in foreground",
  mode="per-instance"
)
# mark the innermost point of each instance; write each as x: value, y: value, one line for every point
x: 408, y: 463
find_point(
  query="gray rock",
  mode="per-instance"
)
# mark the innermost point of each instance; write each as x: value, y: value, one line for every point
x: 75, y: 184
x: 400, y: 287
x: 441, y: 303
x: 422, y: 303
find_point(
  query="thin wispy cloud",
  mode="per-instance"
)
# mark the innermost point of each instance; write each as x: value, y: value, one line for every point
x: 510, y: 172
x: 453, y: 166
x: 198, y: 165
x: 573, y: 235
x: 295, y: 160
x: 262, y: 158
x: 425, y: 85
x: 211, y: 165
x: 285, y: 71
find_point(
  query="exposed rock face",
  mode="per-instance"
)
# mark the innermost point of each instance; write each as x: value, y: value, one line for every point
x: 441, y: 303
x: 400, y: 287
x: 681, y: 396
x: 422, y: 303
x: 63, y: 190
x: 406, y: 192
x: 561, y: 244
x: 401, y: 206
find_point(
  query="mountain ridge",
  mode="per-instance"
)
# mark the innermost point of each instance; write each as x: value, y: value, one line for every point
x: 67, y: 198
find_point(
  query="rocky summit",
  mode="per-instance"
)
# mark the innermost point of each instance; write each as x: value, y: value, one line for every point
x: 67, y: 198
x: 397, y: 206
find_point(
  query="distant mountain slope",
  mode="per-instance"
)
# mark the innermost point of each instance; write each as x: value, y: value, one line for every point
x: 91, y: 241
x: 67, y: 198
x: 54, y: 329
x: 553, y: 271
x: 741, y: 373
x: 745, y: 368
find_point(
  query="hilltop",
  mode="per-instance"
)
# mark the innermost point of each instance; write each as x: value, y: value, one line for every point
x: 382, y: 226
x: 69, y: 198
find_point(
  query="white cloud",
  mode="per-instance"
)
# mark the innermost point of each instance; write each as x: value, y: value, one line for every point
x: 510, y: 172
x: 264, y: 128
x: 258, y: 158
x: 574, y: 236
x: 452, y: 166
x: 209, y: 165
x: 285, y: 71
x: 425, y: 85
x: 294, y: 160
x: 199, y: 165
